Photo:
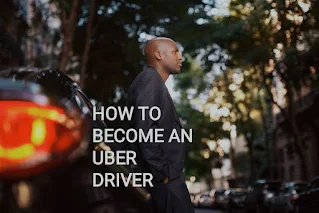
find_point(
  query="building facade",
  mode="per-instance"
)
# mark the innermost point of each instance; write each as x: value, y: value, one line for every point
x: 288, y: 165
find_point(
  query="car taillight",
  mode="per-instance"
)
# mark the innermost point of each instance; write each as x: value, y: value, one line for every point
x: 293, y: 197
x: 34, y: 138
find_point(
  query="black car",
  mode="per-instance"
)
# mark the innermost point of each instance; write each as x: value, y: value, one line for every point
x: 285, y: 201
x: 220, y: 198
x: 45, y: 148
x: 260, y: 194
x: 308, y: 201
x: 236, y: 199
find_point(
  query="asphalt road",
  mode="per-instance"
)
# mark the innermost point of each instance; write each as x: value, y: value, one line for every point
x: 214, y: 211
x: 207, y: 211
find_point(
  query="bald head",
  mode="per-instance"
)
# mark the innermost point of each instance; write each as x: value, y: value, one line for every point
x: 163, y: 55
x: 156, y: 45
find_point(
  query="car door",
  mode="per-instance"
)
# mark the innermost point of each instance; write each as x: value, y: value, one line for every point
x: 285, y: 198
x: 314, y: 195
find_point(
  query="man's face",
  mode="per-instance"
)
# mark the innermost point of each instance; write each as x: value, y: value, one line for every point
x: 171, y: 58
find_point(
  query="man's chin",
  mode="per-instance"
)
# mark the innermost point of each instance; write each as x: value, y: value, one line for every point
x: 176, y: 71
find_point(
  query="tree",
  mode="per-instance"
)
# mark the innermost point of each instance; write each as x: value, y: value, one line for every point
x: 119, y: 31
x: 69, y: 17
x: 87, y: 47
x: 196, y: 115
x: 264, y: 36
x: 13, y: 28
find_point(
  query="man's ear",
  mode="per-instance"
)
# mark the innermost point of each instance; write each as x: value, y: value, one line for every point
x: 158, y: 55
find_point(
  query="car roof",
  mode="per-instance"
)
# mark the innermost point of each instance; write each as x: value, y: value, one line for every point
x: 315, y: 179
x: 18, y: 85
x: 53, y: 81
x: 239, y: 189
x: 268, y: 181
x: 32, y: 74
x: 294, y: 183
x: 54, y: 84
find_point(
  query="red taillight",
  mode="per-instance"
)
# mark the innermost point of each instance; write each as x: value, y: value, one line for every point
x: 293, y: 197
x: 32, y: 135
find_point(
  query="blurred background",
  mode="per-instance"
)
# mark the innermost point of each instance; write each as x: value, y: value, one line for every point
x: 248, y: 86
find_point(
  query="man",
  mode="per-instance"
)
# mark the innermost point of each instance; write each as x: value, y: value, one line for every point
x: 164, y: 160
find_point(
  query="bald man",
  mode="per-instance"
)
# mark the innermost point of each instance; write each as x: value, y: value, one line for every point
x: 164, y: 160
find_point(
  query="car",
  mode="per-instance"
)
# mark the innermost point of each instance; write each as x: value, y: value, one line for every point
x: 260, y: 195
x: 46, y: 148
x: 206, y: 200
x: 236, y: 199
x: 285, y: 201
x: 220, y: 198
x: 308, y: 200
x: 195, y: 200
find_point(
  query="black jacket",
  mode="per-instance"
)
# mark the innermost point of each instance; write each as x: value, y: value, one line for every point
x: 161, y: 159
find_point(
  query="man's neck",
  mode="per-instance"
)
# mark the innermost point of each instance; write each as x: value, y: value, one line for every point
x: 164, y: 75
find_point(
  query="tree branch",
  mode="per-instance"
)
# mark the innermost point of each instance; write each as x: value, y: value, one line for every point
x: 87, y: 47
x: 68, y: 26
x: 271, y: 96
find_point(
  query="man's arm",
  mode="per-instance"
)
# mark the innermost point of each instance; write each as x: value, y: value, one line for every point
x: 148, y: 93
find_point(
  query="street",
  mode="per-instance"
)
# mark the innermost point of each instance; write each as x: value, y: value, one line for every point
x: 207, y: 211
x: 214, y: 211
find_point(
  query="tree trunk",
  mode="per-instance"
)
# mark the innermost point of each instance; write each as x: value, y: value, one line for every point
x: 267, y: 122
x: 230, y: 99
x: 296, y: 132
x: 85, y: 55
x: 251, y: 157
x: 68, y: 28
x: 233, y: 160
x: 315, y: 128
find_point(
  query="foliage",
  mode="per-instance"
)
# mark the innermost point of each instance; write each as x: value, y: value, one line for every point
x: 265, y: 39
x: 119, y: 31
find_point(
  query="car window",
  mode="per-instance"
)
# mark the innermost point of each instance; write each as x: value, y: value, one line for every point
x: 315, y: 183
x: 285, y: 190
x: 239, y: 193
x: 273, y: 186
x: 220, y: 192
x: 255, y: 187
x: 54, y: 85
x: 300, y: 187
x: 84, y: 100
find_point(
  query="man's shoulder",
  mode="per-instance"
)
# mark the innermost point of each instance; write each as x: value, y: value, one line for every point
x: 148, y: 73
x: 146, y: 77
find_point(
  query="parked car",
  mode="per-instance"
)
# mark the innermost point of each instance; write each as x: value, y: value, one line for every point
x: 206, y: 200
x: 192, y: 196
x: 45, y: 148
x: 195, y: 200
x: 236, y: 199
x: 260, y: 194
x: 308, y: 200
x: 289, y: 193
x: 220, y: 198
x: 271, y: 193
